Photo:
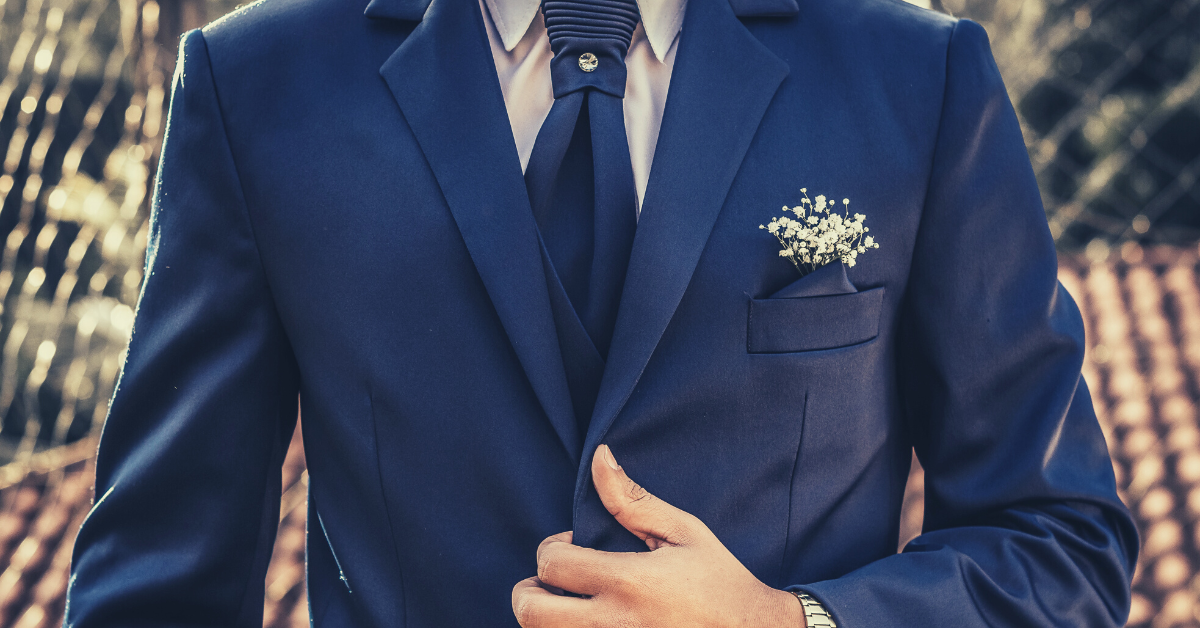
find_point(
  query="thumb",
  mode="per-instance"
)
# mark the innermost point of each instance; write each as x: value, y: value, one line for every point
x: 651, y: 519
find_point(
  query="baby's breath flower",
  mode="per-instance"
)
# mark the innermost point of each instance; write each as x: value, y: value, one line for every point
x: 820, y: 237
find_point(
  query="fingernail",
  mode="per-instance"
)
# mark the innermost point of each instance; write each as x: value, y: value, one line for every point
x: 608, y: 457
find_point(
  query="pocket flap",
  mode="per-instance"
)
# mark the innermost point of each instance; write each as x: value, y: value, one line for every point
x: 813, y: 323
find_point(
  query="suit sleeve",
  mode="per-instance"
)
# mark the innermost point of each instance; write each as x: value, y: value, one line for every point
x: 188, y: 470
x: 1023, y: 526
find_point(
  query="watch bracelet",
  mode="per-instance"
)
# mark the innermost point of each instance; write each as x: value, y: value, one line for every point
x: 815, y: 614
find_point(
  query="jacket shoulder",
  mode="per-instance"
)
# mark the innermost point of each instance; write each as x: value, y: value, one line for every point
x: 886, y: 18
x: 277, y: 30
x: 264, y: 17
x: 880, y: 29
x: 863, y: 44
x: 891, y: 16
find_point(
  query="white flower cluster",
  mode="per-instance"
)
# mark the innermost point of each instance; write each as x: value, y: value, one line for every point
x: 818, y: 236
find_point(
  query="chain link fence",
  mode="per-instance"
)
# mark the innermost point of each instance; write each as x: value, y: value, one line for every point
x: 1108, y: 93
x: 83, y: 108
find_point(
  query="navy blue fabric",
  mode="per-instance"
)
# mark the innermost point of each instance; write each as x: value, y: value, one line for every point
x: 784, y: 325
x: 580, y: 177
x: 582, y: 363
x: 341, y: 217
x: 827, y: 280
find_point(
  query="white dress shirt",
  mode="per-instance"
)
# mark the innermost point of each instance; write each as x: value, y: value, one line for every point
x: 521, y: 50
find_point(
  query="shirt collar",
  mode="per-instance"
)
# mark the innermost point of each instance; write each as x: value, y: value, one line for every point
x: 661, y: 20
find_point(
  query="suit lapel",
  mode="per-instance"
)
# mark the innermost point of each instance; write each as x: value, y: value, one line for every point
x: 721, y: 85
x: 444, y: 79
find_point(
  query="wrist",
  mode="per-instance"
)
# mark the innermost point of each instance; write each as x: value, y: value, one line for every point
x: 786, y: 610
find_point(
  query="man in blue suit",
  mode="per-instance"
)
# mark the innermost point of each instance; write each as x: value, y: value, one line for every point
x: 435, y: 226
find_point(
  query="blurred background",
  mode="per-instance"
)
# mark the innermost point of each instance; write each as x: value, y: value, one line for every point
x: 1107, y: 91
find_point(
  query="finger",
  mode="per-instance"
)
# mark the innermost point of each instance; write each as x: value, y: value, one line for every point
x: 580, y: 569
x: 535, y: 607
x: 654, y: 521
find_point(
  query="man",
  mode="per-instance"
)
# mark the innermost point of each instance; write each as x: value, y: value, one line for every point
x: 437, y: 224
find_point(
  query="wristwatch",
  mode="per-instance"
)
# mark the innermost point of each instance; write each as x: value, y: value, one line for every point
x: 815, y: 615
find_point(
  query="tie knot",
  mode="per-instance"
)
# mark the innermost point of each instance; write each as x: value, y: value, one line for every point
x: 589, y: 39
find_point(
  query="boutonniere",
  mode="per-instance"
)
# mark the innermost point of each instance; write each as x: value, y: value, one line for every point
x: 819, y: 235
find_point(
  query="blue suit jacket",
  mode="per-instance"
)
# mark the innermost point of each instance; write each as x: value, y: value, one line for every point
x: 340, y: 218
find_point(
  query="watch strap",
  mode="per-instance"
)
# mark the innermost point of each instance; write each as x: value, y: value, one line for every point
x: 815, y: 614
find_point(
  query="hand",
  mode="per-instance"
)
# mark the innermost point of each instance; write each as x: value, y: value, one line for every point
x: 687, y: 578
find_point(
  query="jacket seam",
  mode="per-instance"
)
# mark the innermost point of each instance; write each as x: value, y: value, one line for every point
x: 787, y: 530
x: 249, y: 578
x: 937, y: 140
x: 905, y: 298
x: 749, y: 325
x: 387, y: 512
x: 237, y: 172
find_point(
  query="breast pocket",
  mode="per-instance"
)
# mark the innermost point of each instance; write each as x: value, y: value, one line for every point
x: 813, y: 323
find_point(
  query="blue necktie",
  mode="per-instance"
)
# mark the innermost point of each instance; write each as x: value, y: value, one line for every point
x: 580, y: 183
x: 579, y: 178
